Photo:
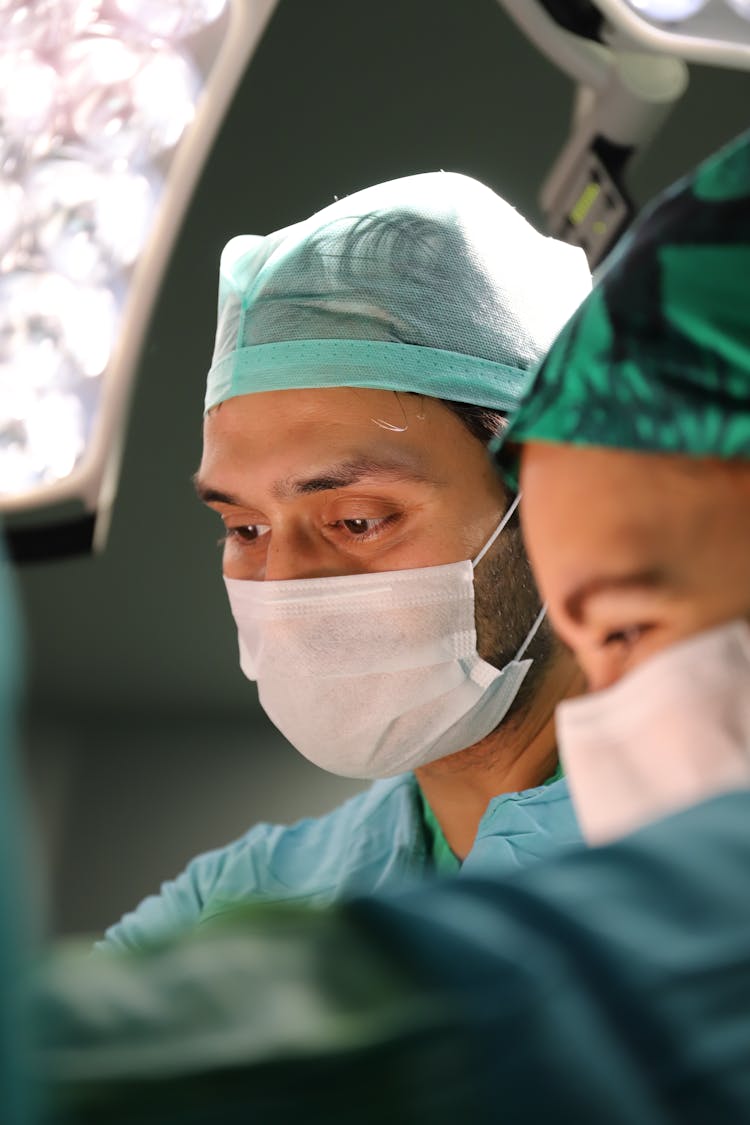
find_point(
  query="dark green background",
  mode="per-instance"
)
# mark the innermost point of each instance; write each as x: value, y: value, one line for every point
x: 144, y: 742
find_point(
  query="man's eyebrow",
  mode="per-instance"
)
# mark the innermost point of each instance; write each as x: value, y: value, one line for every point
x: 651, y: 578
x: 341, y: 475
x: 346, y: 473
x: 209, y: 495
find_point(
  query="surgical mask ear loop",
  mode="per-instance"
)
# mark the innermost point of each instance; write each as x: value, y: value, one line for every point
x: 543, y: 611
x: 475, y: 562
x: 532, y: 632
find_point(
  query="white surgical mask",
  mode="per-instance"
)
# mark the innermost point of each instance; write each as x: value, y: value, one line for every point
x: 673, y: 732
x: 370, y: 675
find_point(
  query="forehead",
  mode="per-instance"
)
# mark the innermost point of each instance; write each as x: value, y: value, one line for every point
x: 287, y: 432
x: 593, y: 505
x: 299, y: 411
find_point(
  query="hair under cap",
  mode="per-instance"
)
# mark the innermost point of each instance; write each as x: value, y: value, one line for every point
x: 431, y: 284
x: 657, y: 358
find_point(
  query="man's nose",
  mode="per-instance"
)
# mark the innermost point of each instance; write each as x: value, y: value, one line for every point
x: 603, y: 668
x: 602, y: 665
x: 295, y: 553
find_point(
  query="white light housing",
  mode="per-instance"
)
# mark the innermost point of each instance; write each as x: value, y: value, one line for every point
x: 629, y: 63
x: 741, y: 7
x: 107, y: 112
x: 714, y: 32
x: 668, y: 11
x: 623, y: 97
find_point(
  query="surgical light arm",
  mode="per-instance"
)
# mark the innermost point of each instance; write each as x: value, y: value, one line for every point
x: 624, y: 95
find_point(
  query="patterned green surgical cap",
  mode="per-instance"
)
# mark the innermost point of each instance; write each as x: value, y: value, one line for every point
x: 657, y: 358
x: 431, y: 284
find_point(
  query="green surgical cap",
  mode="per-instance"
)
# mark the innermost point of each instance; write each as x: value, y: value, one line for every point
x: 657, y: 358
x: 430, y: 284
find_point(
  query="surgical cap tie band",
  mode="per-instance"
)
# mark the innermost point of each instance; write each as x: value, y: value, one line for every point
x: 378, y: 364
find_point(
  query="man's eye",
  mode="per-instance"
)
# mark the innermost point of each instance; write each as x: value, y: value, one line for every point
x: 627, y: 636
x: 248, y: 533
x: 360, y: 528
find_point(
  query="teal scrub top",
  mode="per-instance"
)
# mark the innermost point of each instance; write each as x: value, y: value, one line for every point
x: 377, y: 841
x: 443, y: 858
x: 603, y: 985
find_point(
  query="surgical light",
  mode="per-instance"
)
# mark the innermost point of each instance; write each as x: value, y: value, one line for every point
x: 28, y: 105
x: 87, y: 221
x: 741, y: 7
x: 135, y: 98
x: 107, y: 110
x: 668, y: 11
x: 168, y: 19
x: 713, y: 32
x: 628, y: 60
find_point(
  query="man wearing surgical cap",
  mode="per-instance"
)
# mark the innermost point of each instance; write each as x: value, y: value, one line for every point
x: 607, y: 984
x: 372, y: 559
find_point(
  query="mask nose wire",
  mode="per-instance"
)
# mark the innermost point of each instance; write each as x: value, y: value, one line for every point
x: 496, y: 532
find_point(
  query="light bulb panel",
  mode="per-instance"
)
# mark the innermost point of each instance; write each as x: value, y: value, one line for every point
x: 96, y: 173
